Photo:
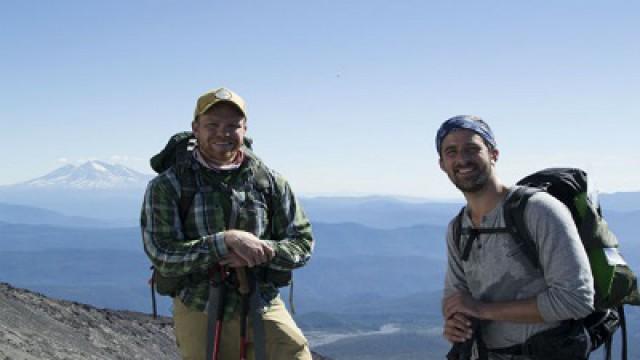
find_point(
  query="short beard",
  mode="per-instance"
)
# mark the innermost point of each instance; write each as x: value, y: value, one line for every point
x: 474, y: 185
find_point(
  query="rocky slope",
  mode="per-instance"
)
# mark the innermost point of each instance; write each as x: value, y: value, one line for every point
x: 34, y: 327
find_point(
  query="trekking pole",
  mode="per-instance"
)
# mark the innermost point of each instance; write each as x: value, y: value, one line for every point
x: 461, y: 351
x: 623, y: 326
x: 244, y: 289
x: 152, y: 285
x: 217, y: 276
x: 464, y: 350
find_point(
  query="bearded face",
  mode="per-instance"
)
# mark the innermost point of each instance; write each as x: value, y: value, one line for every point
x: 467, y: 160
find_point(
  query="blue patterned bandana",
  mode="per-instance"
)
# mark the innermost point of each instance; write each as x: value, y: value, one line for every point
x: 469, y: 122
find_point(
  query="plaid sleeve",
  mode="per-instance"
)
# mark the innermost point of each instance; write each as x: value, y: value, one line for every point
x: 291, y: 230
x: 163, y: 237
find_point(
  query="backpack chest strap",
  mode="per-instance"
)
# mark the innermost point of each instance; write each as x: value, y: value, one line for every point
x: 473, y: 234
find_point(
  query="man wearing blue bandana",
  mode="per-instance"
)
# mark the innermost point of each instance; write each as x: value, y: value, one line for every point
x: 496, y: 295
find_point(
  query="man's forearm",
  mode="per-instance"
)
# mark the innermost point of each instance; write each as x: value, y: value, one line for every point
x: 522, y: 311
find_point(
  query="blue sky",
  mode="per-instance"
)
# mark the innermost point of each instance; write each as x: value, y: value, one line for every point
x: 344, y: 96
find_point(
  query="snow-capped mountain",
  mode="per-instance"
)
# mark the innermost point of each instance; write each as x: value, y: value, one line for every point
x: 92, y: 175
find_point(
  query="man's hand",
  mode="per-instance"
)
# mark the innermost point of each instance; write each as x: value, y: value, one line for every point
x: 233, y: 260
x: 462, y: 303
x: 247, y: 247
x: 457, y: 328
x: 522, y: 311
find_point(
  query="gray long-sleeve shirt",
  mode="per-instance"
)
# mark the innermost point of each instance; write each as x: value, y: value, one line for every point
x: 498, y: 270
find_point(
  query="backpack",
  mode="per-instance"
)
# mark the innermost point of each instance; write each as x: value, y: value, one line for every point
x: 615, y: 283
x: 178, y: 153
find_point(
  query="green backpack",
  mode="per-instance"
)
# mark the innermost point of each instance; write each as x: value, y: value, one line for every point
x: 614, y: 281
x: 178, y: 153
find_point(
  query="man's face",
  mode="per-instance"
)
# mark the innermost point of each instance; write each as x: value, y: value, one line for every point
x: 467, y: 160
x: 220, y: 133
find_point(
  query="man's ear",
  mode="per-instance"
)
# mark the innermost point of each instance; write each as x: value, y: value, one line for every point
x: 194, y: 126
x: 441, y: 163
x: 495, y: 154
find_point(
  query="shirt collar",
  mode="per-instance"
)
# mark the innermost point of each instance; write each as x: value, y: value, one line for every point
x: 237, y: 161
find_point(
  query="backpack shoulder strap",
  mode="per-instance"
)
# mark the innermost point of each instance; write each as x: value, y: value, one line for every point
x: 178, y: 153
x: 456, y: 232
x: 515, y: 223
x: 183, y: 166
x: 262, y: 176
x: 189, y: 188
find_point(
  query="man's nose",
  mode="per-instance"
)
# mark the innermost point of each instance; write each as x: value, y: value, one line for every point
x: 221, y: 131
x: 462, y: 158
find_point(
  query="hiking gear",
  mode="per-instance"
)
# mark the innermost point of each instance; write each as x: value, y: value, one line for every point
x: 210, y: 98
x: 255, y: 311
x: 152, y: 286
x: 464, y: 350
x: 284, y: 339
x: 178, y: 151
x: 243, y: 289
x: 178, y: 154
x: 601, y: 326
x: 215, y: 311
x: 180, y: 146
x: 569, y: 341
x: 614, y: 282
x: 469, y: 122
x: 251, y: 308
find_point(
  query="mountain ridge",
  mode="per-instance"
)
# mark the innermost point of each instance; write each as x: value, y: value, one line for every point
x: 34, y: 327
x: 22, y: 214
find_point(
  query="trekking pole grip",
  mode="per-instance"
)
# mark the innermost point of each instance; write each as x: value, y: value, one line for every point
x: 243, y: 281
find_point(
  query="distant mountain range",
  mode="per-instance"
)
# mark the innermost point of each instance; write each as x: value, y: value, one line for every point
x: 114, y: 193
x: 21, y: 214
x: 382, y: 212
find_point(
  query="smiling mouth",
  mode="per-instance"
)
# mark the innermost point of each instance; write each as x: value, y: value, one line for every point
x: 465, y: 171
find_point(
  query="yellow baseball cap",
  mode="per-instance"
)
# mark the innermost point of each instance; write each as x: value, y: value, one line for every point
x: 210, y: 98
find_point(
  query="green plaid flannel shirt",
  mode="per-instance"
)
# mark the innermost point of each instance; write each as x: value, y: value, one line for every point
x: 191, y: 250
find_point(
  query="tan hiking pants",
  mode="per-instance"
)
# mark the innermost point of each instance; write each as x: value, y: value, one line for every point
x: 283, y: 339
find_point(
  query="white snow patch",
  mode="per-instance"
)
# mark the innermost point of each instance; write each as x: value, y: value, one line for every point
x: 98, y: 167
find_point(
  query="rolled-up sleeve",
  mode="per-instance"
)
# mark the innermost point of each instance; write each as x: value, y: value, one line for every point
x: 570, y: 290
x: 292, y: 238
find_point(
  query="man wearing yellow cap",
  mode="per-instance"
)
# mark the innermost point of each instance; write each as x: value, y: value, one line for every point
x: 218, y: 210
